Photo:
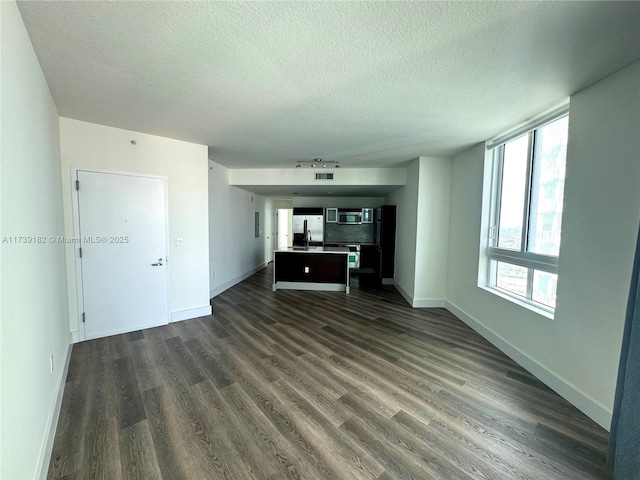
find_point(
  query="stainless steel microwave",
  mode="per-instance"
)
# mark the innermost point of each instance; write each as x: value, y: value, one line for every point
x: 350, y: 218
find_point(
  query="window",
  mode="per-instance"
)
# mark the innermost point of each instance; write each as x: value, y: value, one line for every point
x: 526, y: 214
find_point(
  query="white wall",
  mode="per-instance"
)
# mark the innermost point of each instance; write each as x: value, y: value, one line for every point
x: 601, y: 214
x: 406, y: 200
x: 422, y: 231
x: 89, y: 145
x: 34, y: 322
x: 281, y: 202
x: 306, y: 176
x: 432, y: 232
x: 577, y: 352
x: 234, y: 252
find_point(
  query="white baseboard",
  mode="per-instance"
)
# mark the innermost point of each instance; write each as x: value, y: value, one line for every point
x: 176, y: 316
x: 388, y: 281
x: 320, y: 287
x: 128, y: 329
x: 234, y: 281
x: 583, y: 402
x: 419, y: 302
x: 190, y: 313
x: 403, y: 292
x: 428, y: 303
x: 54, y: 414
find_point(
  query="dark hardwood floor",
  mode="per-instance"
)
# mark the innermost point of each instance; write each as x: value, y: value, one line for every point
x: 314, y: 385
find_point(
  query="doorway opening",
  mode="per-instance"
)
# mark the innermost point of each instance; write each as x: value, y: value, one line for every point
x: 285, y: 228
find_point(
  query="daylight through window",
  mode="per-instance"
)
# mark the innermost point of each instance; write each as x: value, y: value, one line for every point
x: 527, y: 199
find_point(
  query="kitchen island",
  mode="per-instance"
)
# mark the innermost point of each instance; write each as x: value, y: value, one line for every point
x: 311, y: 268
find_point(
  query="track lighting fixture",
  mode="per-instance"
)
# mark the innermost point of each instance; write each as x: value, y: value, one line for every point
x: 316, y: 162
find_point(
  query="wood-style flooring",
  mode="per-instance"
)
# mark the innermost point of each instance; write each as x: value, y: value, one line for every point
x: 314, y: 385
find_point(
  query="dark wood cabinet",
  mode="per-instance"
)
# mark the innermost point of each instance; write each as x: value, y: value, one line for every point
x: 370, y: 266
x: 308, y: 211
x: 310, y: 267
x: 385, y: 221
x: 368, y: 257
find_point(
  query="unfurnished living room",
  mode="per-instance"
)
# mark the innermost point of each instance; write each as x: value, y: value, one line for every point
x: 312, y: 240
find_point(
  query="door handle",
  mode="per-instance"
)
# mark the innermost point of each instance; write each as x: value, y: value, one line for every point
x: 159, y: 264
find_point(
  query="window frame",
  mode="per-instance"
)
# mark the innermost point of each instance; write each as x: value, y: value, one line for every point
x: 523, y: 258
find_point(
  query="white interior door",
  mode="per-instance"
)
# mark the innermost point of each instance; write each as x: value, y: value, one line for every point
x: 268, y: 231
x: 283, y: 228
x: 123, y: 236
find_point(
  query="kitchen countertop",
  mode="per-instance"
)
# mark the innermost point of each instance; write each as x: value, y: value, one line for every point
x: 342, y: 250
x: 349, y: 243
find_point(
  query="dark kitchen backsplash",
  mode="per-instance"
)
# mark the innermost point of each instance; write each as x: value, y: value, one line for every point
x: 339, y: 233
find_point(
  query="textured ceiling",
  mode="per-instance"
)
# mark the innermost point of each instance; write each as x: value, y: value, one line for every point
x: 367, y: 83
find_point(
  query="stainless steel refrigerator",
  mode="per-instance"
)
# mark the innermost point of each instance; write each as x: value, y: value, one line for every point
x: 308, y: 230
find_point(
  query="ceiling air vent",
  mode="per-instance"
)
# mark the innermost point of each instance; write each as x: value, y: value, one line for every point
x: 324, y: 176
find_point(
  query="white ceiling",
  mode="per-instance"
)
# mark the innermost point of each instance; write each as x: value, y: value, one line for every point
x: 368, y: 84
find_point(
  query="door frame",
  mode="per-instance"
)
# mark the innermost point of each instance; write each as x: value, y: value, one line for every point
x: 76, y: 235
x: 274, y: 232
